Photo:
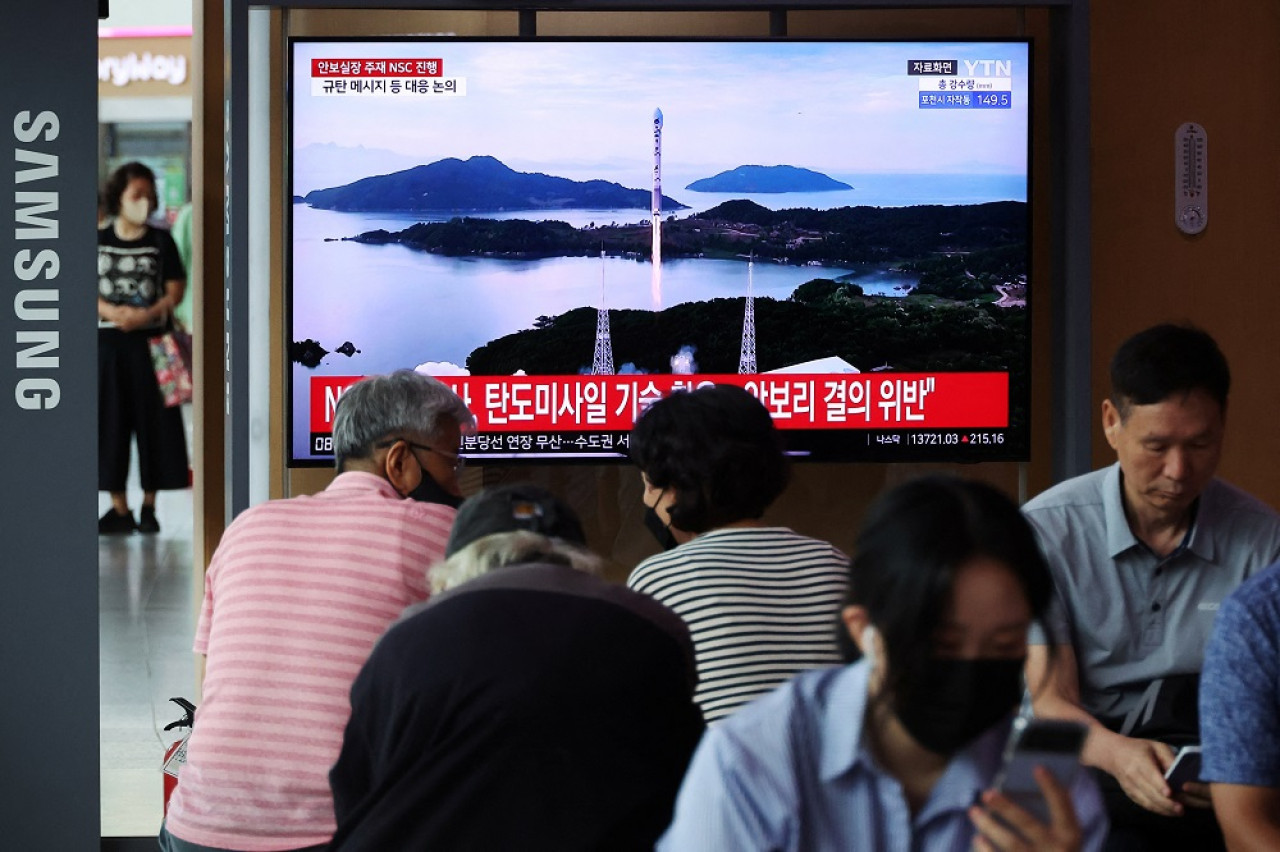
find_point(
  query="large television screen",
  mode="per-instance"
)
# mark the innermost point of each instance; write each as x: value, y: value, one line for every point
x: 564, y: 230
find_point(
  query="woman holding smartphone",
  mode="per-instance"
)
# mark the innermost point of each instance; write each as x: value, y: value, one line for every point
x: 900, y: 749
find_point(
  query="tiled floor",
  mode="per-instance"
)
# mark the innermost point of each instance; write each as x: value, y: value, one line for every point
x: 146, y: 622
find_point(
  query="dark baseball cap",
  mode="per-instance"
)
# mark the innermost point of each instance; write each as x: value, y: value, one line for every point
x: 509, y: 508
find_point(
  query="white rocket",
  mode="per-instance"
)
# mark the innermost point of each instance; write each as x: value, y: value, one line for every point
x: 656, y: 285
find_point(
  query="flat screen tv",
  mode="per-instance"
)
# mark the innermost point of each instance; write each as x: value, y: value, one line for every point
x: 565, y: 230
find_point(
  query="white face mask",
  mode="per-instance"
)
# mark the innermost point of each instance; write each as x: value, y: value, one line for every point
x: 135, y: 210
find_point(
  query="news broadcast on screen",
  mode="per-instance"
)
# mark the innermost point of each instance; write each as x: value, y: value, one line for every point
x: 564, y: 231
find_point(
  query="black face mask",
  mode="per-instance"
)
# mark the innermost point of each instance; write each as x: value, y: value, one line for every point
x: 429, y: 491
x: 959, y: 699
x: 660, y: 531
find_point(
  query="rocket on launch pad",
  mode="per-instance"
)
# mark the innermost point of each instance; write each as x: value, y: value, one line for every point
x: 656, y: 285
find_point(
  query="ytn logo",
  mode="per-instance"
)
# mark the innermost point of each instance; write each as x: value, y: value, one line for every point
x: 990, y: 67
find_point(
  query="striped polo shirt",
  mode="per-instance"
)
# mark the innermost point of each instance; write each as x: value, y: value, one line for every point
x: 296, y: 595
x: 761, y: 605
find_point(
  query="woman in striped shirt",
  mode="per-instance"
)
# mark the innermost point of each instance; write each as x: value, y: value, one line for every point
x: 758, y: 599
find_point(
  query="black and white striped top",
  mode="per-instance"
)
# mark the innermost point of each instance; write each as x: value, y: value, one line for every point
x: 760, y: 602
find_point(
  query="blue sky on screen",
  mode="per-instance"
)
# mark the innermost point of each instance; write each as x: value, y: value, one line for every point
x: 584, y: 109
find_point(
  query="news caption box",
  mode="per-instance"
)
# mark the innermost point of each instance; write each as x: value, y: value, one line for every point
x: 595, y: 413
x: 346, y: 76
x: 963, y: 84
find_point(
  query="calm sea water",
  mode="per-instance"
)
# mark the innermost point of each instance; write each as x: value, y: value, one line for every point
x: 402, y: 308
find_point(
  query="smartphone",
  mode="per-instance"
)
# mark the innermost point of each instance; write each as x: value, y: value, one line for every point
x: 1185, y: 767
x: 1052, y: 743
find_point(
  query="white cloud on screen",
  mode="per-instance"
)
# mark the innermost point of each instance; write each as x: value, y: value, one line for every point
x: 441, y: 368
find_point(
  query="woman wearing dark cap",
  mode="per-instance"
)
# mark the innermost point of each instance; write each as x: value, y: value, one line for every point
x: 758, y: 599
x: 534, y: 706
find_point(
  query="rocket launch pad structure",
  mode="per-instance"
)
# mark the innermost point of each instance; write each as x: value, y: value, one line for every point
x: 747, y: 355
x: 602, y: 360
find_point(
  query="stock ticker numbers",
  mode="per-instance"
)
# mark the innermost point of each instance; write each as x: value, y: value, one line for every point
x: 954, y: 439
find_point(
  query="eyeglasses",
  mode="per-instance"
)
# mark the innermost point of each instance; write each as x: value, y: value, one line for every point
x: 456, y: 461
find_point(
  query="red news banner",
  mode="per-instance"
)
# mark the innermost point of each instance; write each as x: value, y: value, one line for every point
x: 796, y: 401
x: 377, y: 67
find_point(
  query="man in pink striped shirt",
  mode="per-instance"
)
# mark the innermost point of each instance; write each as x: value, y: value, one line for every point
x: 295, y: 596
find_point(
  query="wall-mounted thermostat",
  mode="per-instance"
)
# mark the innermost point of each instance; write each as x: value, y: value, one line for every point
x: 1191, y: 192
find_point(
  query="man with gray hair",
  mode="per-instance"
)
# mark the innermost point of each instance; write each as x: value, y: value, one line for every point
x: 410, y: 416
x: 295, y: 596
x: 533, y: 706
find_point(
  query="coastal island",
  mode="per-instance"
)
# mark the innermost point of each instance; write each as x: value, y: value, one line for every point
x: 958, y: 252
x: 768, y: 179
x: 478, y: 184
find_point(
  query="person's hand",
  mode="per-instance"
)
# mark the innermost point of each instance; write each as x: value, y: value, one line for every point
x: 1004, y: 827
x: 128, y: 318
x: 1195, y: 795
x: 1139, y: 766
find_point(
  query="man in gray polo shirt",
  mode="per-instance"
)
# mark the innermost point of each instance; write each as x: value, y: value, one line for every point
x: 1142, y: 553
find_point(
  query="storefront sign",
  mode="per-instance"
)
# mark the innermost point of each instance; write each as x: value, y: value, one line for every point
x: 144, y: 67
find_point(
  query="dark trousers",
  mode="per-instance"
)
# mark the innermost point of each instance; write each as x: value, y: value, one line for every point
x: 1136, y: 829
x: 129, y: 404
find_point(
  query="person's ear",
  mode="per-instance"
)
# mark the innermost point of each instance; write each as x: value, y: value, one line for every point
x: 645, y: 488
x: 401, y: 468
x: 662, y: 505
x: 650, y: 490
x: 864, y: 634
x: 856, y: 621
x: 1111, y: 422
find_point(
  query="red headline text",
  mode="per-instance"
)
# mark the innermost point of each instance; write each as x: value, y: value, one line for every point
x: 796, y: 401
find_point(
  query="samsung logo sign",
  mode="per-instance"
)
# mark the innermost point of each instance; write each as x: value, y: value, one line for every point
x: 35, y: 226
